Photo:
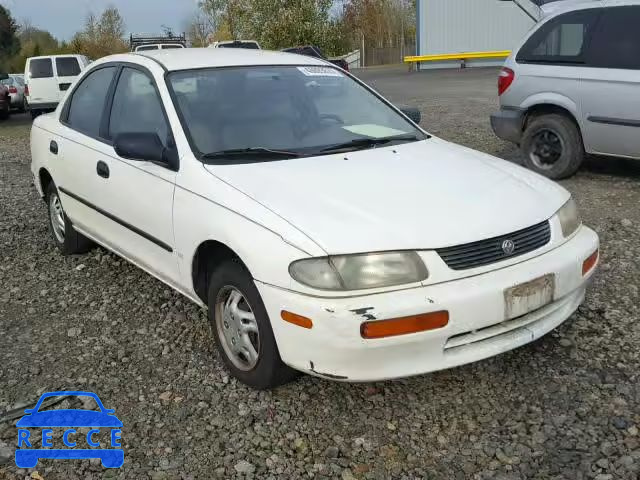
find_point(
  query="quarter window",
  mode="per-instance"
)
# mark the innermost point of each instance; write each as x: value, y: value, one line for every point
x: 41, y: 68
x: 561, y: 40
x: 616, y: 41
x: 87, y: 102
x: 137, y: 107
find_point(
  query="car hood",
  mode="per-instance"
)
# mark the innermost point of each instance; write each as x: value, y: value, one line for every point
x: 420, y: 195
x: 69, y: 418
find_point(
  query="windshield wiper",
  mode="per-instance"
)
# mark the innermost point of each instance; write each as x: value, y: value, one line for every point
x: 362, y: 143
x: 252, y: 152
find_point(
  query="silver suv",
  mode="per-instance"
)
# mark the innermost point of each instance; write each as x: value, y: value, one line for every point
x: 573, y: 86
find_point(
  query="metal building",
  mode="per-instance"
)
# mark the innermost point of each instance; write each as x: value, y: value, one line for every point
x: 457, y: 26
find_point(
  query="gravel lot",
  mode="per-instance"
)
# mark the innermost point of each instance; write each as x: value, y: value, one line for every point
x: 565, y: 407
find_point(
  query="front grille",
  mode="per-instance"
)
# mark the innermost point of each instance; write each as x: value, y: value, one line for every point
x: 485, y: 252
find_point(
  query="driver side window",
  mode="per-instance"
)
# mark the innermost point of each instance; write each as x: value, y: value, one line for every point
x: 137, y: 107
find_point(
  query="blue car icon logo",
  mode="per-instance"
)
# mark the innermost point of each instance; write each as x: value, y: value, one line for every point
x: 69, y: 420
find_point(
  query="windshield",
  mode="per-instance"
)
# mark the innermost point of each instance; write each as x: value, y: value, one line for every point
x: 303, y: 110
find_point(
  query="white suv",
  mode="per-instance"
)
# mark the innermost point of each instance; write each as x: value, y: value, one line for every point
x: 323, y: 229
x: 573, y: 86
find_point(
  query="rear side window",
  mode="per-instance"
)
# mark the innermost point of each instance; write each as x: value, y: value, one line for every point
x: 616, y: 40
x: 67, y: 67
x: 561, y: 40
x: 87, y: 102
x: 168, y: 47
x: 41, y: 68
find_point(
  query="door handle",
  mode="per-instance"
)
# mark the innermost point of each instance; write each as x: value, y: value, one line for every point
x: 102, y: 169
x: 53, y: 147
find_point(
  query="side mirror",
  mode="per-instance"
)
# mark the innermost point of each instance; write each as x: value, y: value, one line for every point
x: 412, y: 112
x: 145, y: 146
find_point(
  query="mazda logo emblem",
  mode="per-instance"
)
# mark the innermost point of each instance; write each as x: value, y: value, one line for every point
x: 508, y: 247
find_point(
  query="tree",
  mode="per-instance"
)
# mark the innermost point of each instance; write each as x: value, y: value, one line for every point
x: 199, y: 31
x: 275, y: 23
x: 383, y: 23
x: 101, y: 36
x: 9, y: 42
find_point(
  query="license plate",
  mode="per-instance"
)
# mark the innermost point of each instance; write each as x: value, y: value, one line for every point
x: 527, y: 297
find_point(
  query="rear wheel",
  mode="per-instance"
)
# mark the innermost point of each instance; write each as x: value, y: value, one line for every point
x: 242, y: 328
x: 552, y: 146
x: 65, y: 237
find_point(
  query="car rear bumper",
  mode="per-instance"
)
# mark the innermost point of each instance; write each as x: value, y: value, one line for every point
x: 507, y: 124
x: 334, y: 348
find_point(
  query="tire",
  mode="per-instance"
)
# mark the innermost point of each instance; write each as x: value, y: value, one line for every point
x: 25, y: 106
x: 268, y: 370
x: 4, y: 114
x: 64, y: 236
x: 564, y: 148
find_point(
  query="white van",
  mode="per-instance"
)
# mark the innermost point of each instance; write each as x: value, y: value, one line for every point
x: 158, y: 46
x: 47, y: 79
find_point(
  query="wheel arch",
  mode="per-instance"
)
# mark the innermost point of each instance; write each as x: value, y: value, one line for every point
x: 206, y: 257
x: 45, y: 179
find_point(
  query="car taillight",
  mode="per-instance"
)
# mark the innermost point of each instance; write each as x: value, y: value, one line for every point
x: 13, y: 90
x: 505, y: 79
x: 26, y: 90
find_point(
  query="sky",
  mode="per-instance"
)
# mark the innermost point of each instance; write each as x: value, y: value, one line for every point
x: 65, y: 17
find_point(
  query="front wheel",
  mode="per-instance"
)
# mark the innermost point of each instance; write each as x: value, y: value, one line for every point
x: 65, y: 237
x: 552, y: 146
x: 242, y: 328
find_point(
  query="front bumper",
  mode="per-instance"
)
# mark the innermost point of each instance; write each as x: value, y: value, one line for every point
x: 477, y: 329
x: 507, y: 124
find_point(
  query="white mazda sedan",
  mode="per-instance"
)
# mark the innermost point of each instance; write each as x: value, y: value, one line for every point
x: 324, y: 230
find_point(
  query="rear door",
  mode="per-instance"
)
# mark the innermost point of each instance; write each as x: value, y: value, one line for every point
x: 611, y: 84
x: 67, y: 70
x: 80, y: 147
x: 43, y: 87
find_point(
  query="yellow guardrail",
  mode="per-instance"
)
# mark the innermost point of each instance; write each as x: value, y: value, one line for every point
x: 457, y: 56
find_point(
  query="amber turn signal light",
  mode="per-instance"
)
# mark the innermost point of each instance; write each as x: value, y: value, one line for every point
x: 296, y: 319
x: 590, y: 262
x: 404, y: 325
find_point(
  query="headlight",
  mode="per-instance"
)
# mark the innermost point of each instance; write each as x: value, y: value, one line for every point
x: 569, y: 218
x: 359, y: 272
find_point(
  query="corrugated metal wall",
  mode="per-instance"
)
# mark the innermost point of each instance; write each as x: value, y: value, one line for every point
x: 453, y: 26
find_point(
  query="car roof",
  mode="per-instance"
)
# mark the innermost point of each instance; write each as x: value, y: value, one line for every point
x: 74, y: 55
x: 192, y: 58
x: 555, y: 8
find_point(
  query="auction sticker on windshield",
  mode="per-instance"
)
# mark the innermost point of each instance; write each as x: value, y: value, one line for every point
x: 320, y: 72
